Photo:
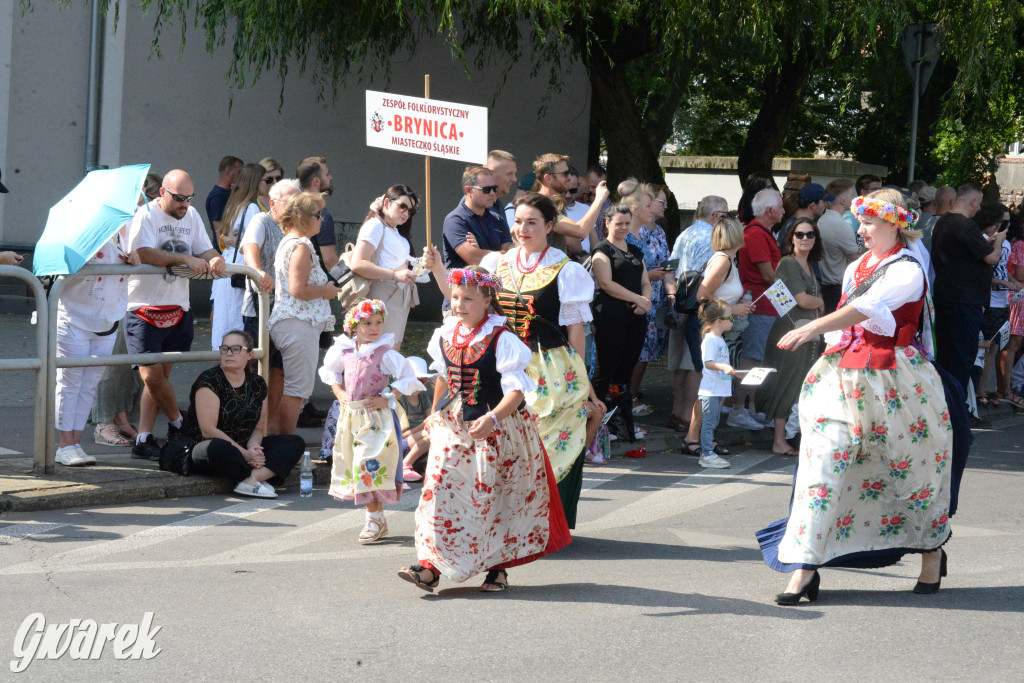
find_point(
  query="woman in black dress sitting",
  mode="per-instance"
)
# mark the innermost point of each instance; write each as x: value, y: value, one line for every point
x: 226, y: 417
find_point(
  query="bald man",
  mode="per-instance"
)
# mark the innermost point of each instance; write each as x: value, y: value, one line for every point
x: 165, y: 232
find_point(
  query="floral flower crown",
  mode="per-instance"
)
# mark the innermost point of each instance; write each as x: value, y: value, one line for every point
x: 363, y: 310
x: 471, y: 278
x: 890, y: 213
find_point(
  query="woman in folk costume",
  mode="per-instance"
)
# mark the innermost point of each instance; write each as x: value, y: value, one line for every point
x: 489, y: 498
x: 873, y: 480
x: 546, y: 297
x: 367, y: 465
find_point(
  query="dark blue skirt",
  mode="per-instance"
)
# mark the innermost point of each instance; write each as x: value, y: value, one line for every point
x: 770, y: 536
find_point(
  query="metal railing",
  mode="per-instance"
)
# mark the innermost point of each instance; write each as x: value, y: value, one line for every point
x: 44, y: 458
x: 38, y: 363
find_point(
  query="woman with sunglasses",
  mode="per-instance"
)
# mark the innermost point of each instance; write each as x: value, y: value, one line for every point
x: 384, y: 256
x: 301, y: 304
x: 226, y: 419
x: 272, y: 172
x: 779, y: 393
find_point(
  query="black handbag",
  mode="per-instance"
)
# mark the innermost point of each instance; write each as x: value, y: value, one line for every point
x: 238, y: 280
x: 686, y: 290
x: 176, y: 455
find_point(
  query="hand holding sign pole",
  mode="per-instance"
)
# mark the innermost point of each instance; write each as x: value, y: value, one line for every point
x: 426, y: 164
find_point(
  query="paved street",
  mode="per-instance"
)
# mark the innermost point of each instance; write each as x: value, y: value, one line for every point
x: 663, y: 582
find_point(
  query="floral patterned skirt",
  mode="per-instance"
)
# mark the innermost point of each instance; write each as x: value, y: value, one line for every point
x: 560, y: 402
x: 874, y: 468
x: 367, y: 461
x: 487, y: 504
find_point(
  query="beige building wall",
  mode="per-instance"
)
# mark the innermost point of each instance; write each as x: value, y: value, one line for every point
x: 173, y: 112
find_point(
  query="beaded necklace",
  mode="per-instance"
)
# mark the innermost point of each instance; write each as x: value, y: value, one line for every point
x: 526, y: 271
x: 863, y: 270
x: 461, y: 341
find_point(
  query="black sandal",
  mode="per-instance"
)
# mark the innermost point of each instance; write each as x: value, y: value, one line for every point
x: 492, y: 580
x: 691, y: 448
x: 412, y: 575
x: 721, y: 450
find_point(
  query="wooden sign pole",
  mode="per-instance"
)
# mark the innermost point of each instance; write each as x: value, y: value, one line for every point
x: 426, y: 163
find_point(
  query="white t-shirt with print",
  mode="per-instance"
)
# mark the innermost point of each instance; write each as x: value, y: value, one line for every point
x: 714, y: 382
x: 152, y: 227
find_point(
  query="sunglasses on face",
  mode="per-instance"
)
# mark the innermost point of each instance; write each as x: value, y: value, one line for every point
x: 486, y: 189
x: 411, y: 210
x: 730, y: 318
x: 233, y: 350
x: 804, y: 235
x: 183, y: 198
x: 272, y: 179
x: 573, y: 190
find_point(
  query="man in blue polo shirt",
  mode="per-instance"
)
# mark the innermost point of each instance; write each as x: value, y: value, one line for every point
x: 472, y: 216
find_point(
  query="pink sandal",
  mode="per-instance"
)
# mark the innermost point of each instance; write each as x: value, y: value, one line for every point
x: 107, y: 434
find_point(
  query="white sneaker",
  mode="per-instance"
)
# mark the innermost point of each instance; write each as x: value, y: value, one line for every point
x: 714, y: 462
x: 89, y: 460
x: 257, y: 490
x: 69, y: 456
x: 764, y: 420
x: 742, y: 419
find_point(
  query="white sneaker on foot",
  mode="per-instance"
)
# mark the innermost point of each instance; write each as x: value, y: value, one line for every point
x: 89, y: 460
x: 70, y: 457
x: 714, y: 462
x: 257, y: 490
x: 742, y: 419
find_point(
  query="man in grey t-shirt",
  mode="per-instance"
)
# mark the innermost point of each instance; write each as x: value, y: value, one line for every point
x: 259, y: 244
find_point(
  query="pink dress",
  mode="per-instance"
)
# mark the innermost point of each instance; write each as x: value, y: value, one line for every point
x: 1016, y: 307
x: 367, y: 458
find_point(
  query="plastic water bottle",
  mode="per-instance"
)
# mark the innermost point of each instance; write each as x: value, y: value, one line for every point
x: 747, y: 297
x: 306, y: 476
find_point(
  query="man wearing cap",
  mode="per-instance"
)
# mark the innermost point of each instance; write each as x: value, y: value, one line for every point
x: 473, y: 217
x: 812, y: 204
x: 838, y: 243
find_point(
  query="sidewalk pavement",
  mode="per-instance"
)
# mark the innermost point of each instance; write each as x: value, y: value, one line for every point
x: 118, y: 479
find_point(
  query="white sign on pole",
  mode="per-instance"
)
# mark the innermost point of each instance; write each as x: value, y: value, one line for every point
x: 757, y: 376
x: 429, y: 127
x: 780, y: 297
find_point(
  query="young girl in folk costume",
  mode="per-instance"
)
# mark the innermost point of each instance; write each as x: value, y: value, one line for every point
x: 489, y: 500
x: 367, y: 465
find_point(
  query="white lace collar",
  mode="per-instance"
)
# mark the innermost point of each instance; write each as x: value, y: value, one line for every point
x: 346, y: 342
x: 493, y: 320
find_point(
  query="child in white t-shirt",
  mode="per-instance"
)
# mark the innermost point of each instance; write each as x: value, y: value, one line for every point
x: 715, y: 381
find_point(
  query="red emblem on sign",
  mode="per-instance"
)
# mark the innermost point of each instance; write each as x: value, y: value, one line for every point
x: 376, y: 122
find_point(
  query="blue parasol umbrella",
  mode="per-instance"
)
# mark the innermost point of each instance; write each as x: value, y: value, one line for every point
x: 86, y: 218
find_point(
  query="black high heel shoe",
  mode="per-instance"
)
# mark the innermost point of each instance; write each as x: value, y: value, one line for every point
x: 811, y: 590
x: 922, y: 588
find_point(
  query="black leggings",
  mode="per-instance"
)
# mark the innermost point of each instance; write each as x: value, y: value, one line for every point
x: 619, y: 340
x: 218, y: 458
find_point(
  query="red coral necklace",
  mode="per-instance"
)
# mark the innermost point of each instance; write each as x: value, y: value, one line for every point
x: 526, y: 271
x: 461, y: 341
x: 863, y: 270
